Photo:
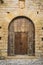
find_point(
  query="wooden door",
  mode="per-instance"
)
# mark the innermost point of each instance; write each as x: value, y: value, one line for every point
x: 21, y: 45
x: 19, y: 41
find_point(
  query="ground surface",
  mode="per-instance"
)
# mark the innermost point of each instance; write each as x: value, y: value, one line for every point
x: 22, y: 62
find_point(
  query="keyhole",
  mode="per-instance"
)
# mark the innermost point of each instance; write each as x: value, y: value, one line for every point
x: 21, y: 43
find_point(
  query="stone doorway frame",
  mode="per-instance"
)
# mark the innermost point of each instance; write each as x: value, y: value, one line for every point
x: 29, y: 20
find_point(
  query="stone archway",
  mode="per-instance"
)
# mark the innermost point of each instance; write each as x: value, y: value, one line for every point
x: 21, y: 37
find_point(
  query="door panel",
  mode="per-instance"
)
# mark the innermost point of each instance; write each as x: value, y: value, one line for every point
x: 24, y: 40
x: 17, y: 42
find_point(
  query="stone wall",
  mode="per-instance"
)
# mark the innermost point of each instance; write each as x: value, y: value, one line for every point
x: 11, y: 9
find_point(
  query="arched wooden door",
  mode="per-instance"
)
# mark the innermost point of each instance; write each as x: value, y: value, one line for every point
x: 21, y: 37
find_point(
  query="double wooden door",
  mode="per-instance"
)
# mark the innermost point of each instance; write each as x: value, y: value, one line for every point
x: 21, y: 43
